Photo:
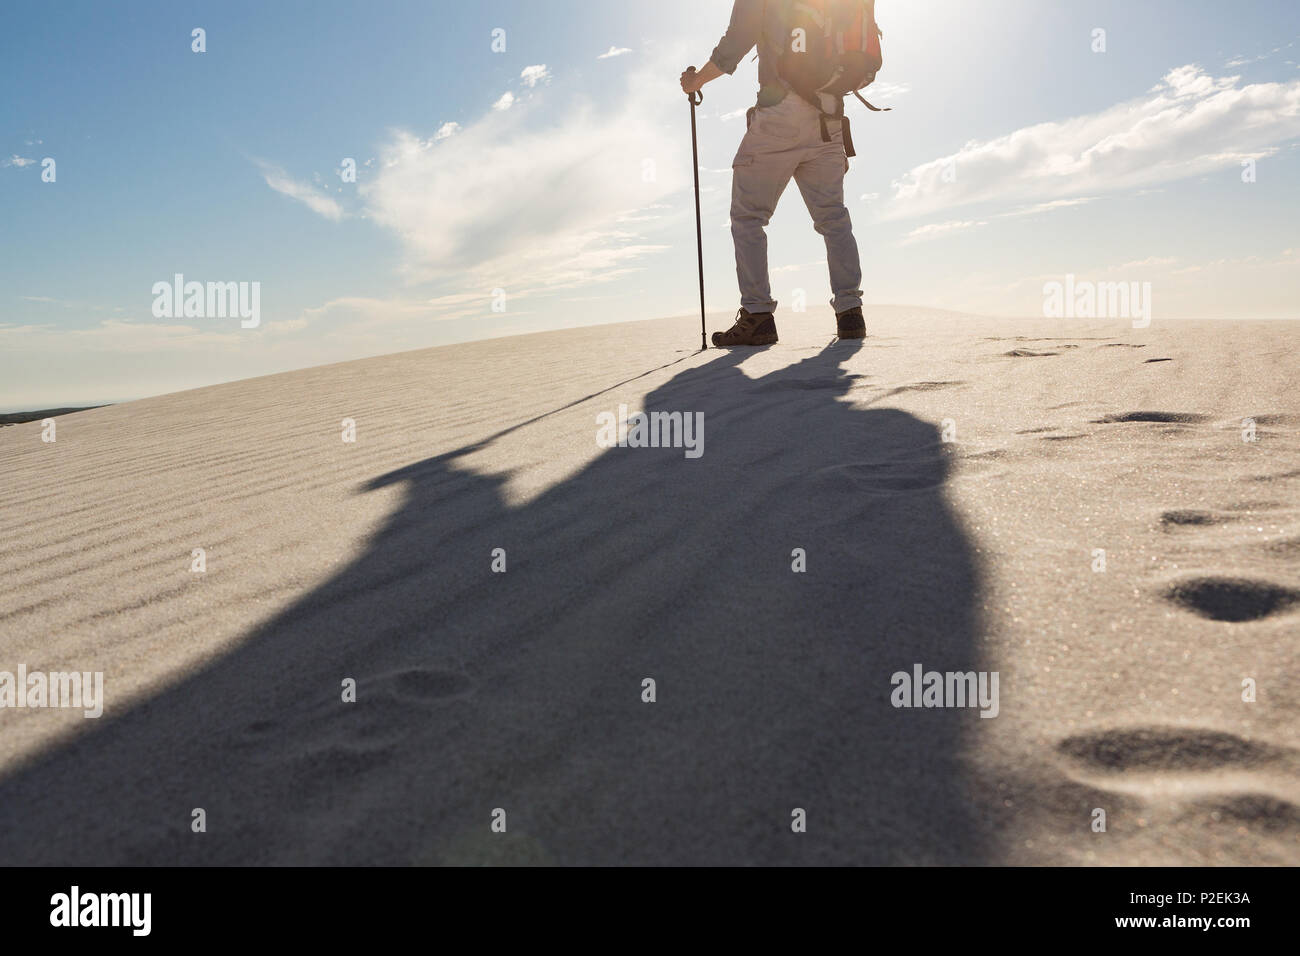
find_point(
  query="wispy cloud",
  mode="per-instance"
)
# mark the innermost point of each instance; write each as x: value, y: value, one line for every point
x: 303, y: 192
x: 886, y: 90
x: 1149, y: 263
x: 362, y: 314
x: 117, y: 335
x: 1288, y: 258
x: 445, y: 130
x: 938, y: 230
x: 16, y: 160
x: 506, y: 101
x: 1242, y: 60
x: 1038, y: 209
x: 614, y: 51
x: 1188, y: 124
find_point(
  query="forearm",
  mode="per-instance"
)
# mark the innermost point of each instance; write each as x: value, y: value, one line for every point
x: 707, y: 73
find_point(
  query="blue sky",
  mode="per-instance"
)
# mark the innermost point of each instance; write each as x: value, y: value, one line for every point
x: 560, y: 174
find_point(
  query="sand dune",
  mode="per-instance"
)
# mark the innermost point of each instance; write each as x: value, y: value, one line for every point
x: 1120, y: 689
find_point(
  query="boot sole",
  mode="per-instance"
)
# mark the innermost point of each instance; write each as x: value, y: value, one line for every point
x: 853, y: 334
x: 756, y: 340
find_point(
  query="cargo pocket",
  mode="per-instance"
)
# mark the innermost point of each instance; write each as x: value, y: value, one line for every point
x: 776, y: 129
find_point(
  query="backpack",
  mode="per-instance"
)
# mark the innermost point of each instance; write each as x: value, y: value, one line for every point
x: 834, y: 49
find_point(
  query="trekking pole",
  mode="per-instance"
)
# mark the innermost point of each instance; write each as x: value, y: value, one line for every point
x: 696, y: 99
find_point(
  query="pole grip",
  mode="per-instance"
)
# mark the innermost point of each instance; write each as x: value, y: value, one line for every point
x: 697, y: 97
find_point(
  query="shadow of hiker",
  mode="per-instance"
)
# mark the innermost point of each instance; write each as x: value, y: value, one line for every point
x: 523, y: 690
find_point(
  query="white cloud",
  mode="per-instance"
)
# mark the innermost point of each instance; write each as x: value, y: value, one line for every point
x: 361, y: 314
x: 734, y: 114
x: 445, y: 130
x: 532, y: 75
x: 306, y: 194
x: 117, y: 335
x: 529, y: 199
x: 614, y: 51
x: 885, y: 91
x: 937, y: 230
x: 16, y: 160
x: 1043, y: 207
x: 1188, y: 124
x: 1149, y: 263
x: 1288, y: 258
x: 1242, y: 60
x: 506, y: 101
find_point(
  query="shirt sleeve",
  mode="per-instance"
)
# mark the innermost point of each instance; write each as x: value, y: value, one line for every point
x: 742, y: 34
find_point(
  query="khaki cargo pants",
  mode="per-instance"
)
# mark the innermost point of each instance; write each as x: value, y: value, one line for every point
x: 785, y: 141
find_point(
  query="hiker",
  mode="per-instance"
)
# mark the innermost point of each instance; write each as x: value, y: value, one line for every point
x: 787, y: 136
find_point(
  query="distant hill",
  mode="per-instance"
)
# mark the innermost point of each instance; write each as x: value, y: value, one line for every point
x: 17, y: 418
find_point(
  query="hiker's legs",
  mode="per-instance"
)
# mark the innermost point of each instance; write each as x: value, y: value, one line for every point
x: 820, y: 178
x: 759, y: 174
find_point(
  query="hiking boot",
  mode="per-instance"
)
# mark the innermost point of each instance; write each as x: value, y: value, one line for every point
x: 751, y: 328
x: 850, y: 323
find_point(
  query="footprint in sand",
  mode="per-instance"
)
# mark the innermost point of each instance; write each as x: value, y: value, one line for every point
x: 1069, y: 436
x: 1125, y: 749
x: 928, y: 386
x: 1284, y: 547
x: 1185, y: 518
x: 1208, y: 773
x: 1160, y: 749
x: 1198, y: 518
x: 1166, y: 418
x: 1256, y: 810
x: 384, y: 702
x: 1279, y: 476
x: 1232, y: 599
x: 1033, y: 338
x: 883, y: 477
x: 1272, y: 419
x: 920, y: 387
